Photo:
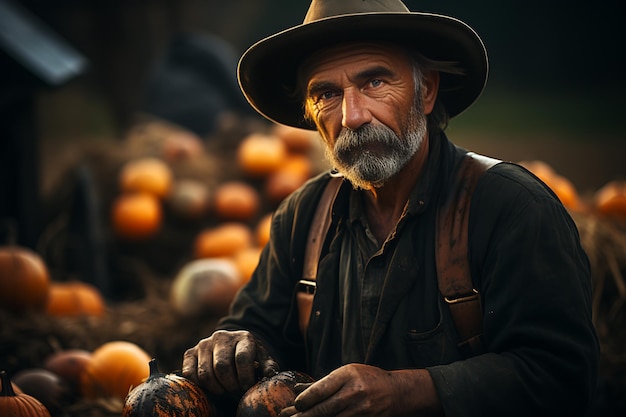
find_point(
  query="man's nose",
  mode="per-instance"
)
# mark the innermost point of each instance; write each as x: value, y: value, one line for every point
x: 354, y: 110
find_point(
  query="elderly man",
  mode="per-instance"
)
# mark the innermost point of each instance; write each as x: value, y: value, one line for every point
x: 383, y: 338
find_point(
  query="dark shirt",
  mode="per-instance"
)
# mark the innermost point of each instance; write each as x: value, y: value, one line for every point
x: 380, y: 305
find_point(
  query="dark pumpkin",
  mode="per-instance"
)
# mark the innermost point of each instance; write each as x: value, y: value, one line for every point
x: 270, y: 395
x: 166, y: 395
x: 19, y: 405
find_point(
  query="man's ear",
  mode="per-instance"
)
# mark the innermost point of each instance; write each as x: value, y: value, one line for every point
x: 430, y: 90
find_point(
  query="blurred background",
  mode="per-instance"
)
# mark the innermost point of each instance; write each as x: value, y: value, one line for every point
x: 89, y: 86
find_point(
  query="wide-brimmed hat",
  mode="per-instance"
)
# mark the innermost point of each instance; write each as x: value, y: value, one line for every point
x: 268, y: 70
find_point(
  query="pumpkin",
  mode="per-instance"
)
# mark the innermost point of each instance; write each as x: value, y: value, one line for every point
x: 262, y: 230
x: 136, y: 216
x: 223, y: 240
x: 205, y: 286
x: 19, y: 405
x: 189, y: 199
x: 114, y: 369
x: 270, y: 395
x: 610, y: 200
x: 24, y: 279
x: 236, y: 201
x: 68, y: 365
x: 260, y: 154
x: 247, y: 260
x: 47, y: 387
x: 296, y: 140
x: 166, y: 395
x: 74, y: 298
x: 146, y: 175
x: 560, y: 185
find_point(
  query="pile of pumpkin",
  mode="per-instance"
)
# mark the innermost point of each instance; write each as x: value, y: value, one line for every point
x: 229, y: 219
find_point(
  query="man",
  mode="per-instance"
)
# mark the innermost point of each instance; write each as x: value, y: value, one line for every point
x: 379, y: 83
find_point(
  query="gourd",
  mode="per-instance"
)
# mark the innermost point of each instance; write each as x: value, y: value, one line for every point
x: 19, y: 405
x: 166, y: 395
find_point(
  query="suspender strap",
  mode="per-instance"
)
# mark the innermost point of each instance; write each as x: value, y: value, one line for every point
x: 455, y: 281
x: 453, y: 274
x: 317, y: 234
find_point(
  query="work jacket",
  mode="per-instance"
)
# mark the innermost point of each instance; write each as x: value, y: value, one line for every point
x: 526, y: 261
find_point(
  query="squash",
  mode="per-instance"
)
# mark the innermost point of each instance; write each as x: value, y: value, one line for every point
x: 24, y: 279
x: 19, y: 405
x: 166, y: 395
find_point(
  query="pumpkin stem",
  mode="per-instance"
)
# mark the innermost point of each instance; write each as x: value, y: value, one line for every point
x: 154, y: 369
x: 7, y: 387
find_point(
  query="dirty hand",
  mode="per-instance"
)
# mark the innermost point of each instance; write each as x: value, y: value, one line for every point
x: 228, y: 362
x: 352, y: 390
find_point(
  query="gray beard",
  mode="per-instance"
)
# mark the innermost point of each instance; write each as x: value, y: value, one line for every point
x: 371, y: 155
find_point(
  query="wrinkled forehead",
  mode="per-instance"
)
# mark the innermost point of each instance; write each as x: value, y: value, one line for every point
x: 345, y: 53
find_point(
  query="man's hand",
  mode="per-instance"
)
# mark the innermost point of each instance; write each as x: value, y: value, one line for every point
x: 363, y: 390
x: 228, y: 362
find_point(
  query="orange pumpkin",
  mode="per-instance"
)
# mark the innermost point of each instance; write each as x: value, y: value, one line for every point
x: 259, y: 154
x: 236, y: 200
x: 296, y: 140
x: 247, y: 260
x: 146, y: 175
x: 610, y: 199
x: 74, y: 298
x: 136, y: 216
x: 114, y: 369
x: 223, y: 240
x: 167, y: 395
x: 560, y: 185
x: 19, y: 405
x: 262, y: 230
x: 24, y: 279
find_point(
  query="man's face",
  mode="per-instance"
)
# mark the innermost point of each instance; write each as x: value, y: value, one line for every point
x: 363, y: 99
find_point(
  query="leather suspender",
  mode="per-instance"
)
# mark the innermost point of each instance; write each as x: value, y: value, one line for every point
x: 451, y: 251
x: 315, y: 240
x: 455, y: 282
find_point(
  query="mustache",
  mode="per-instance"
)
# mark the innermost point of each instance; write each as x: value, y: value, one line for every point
x: 350, y: 140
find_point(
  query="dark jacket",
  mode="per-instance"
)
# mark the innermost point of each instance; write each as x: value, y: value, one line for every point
x: 525, y: 259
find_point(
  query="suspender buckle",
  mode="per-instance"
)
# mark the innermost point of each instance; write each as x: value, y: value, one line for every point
x: 462, y: 299
x: 306, y: 286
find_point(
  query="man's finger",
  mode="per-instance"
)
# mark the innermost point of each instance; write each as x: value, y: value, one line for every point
x: 245, y: 352
x: 269, y: 367
x: 288, y: 411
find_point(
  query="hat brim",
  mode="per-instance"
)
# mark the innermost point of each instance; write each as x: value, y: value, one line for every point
x: 267, y: 71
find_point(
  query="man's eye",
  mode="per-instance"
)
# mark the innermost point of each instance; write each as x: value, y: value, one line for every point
x: 376, y: 83
x: 326, y: 95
